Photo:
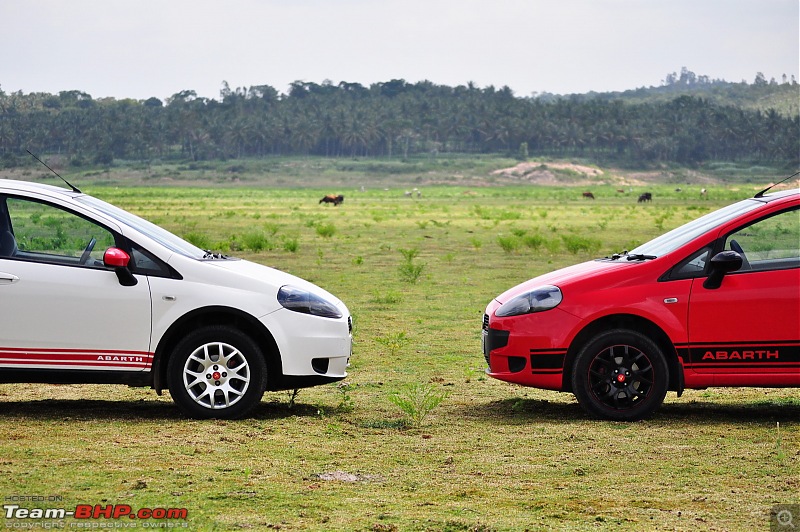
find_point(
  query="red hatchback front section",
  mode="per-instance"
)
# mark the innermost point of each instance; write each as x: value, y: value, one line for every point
x: 713, y: 303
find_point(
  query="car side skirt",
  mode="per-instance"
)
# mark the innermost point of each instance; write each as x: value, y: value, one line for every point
x: 129, y: 378
x: 764, y: 364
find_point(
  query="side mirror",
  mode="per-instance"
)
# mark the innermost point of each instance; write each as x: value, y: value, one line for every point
x: 721, y: 264
x: 119, y: 260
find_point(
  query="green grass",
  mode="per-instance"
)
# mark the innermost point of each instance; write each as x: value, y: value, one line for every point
x: 490, y: 456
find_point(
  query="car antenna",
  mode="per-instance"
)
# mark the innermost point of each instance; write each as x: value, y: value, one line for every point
x: 761, y: 194
x: 73, y: 187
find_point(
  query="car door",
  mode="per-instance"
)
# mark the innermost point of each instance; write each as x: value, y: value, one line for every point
x: 62, y: 309
x: 747, y: 331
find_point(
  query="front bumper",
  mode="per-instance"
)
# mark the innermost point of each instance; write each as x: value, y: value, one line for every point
x: 310, y: 346
x: 529, y: 350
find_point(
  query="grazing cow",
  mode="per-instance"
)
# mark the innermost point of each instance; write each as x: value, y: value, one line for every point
x: 588, y: 195
x: 333, y: 198
x: 704, y: 193
x: 647, y: 196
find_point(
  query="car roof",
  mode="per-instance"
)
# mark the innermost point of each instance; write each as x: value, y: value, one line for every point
x: 779, y: 195
x: 11, y: 185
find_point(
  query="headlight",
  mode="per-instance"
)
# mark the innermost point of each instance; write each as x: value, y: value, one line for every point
x: 303, y: 301
x: 543, y: 298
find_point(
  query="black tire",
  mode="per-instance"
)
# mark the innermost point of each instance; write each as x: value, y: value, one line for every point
x: 620, y: 375
x: 216, y: 372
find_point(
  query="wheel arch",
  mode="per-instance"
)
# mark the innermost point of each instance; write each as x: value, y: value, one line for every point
x: 215, y: 315
x: 634, y: 323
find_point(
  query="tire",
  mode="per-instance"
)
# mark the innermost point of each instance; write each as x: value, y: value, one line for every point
x: 216, y: 372
x: 620, y: 375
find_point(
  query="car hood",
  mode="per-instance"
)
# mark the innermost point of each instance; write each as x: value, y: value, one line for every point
x: 566, y: 276
x: 248, y: 275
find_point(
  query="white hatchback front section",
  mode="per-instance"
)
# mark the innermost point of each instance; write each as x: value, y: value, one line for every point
x: 92, y: 293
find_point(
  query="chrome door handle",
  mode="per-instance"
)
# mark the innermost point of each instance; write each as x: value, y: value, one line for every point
x: 7, y: 278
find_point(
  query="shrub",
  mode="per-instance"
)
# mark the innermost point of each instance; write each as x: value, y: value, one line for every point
x: 577, y: 243
x: 198, y: 239
x: 256, y: 241
x: 417, y: 400
x: 508, y: 243
x: 326, y: 230
x: 393, y: 342
x: 409, y: 254
x: 410, y: 272
x: 291, y: 245
x: 534, y: 241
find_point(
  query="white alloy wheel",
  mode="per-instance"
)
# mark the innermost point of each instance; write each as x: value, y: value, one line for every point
x: 216, y: 375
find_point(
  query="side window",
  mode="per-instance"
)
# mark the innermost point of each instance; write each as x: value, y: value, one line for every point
x: 692, y: 266
x: 769, y: 244
x: 47, y: 233
x: 142, y: 261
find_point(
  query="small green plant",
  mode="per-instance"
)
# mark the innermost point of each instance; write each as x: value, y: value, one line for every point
x: 417, y: 401
x: 410, y: 272
x: 577, y: 243
x: 291, y: 245
x: 198, y: 239
x: 292, y: 394
x: 534, y: 241
x: 326, y: 230
x: 256, y: 241
x: 409, y: 254
x: 390, y: 297
x: 779, y: 452
x: 475, y: 373
x: 271, y: 228
x: 508, y: 243
x: 346, y: 402
x: 393, y: 342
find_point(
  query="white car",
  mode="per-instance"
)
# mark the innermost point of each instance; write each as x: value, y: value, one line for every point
x: 93, y: 294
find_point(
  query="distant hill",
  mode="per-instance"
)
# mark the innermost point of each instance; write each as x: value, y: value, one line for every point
x: 761, y: 95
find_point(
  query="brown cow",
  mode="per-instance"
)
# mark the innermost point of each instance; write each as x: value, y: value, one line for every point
x: 333, y: 198
x: 588, y: 195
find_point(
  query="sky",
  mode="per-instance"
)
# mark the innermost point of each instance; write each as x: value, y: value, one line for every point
x: 156, y: 48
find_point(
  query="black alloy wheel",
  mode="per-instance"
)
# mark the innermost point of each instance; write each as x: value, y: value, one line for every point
x: 620, y: 375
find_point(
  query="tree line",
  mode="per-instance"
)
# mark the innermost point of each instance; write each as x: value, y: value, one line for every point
x: 394, y: 119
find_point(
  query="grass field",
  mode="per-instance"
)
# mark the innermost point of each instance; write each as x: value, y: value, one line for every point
x: 416, y: 273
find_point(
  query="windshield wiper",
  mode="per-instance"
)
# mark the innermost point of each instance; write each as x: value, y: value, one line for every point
x: 640, y: 256
x: 635, y: 256
x: 211, y: 255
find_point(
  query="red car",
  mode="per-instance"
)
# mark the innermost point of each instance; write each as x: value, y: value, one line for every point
x: 715, y: 302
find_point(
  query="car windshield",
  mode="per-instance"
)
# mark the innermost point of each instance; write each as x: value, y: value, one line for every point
x: 149, y: 229
x: 676, y: 238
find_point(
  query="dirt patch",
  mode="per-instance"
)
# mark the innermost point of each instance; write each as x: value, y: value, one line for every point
x: 526, y: 168
x: 553, y: 173
x: 570, y: 174
x: 343, y: 476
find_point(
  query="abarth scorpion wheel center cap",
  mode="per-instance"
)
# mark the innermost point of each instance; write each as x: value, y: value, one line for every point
x: 215, y: 376
x: 621, y: 376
